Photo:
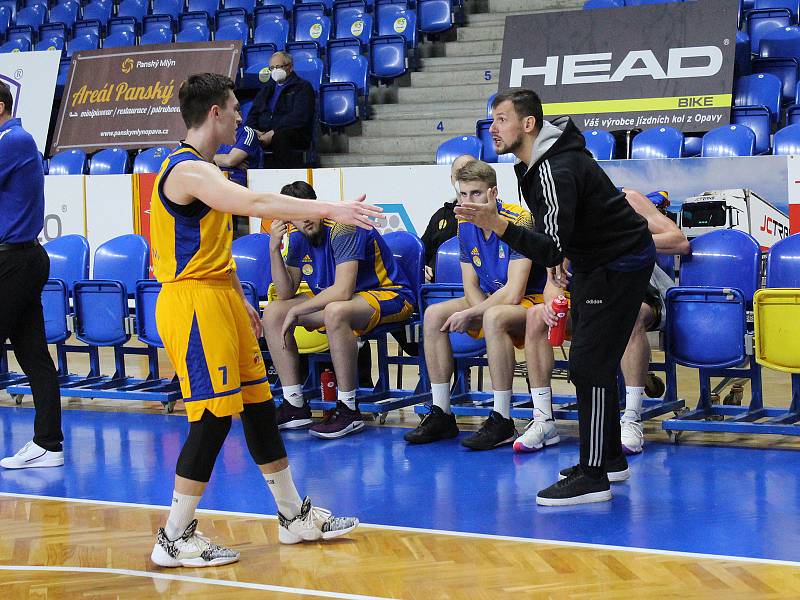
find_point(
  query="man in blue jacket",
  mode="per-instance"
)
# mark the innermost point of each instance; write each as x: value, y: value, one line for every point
x: 24, y: 269
x: 283, y: 113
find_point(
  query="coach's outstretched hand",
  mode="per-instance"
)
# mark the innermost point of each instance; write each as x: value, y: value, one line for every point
x: 356, y: 212
x: 482, y: 215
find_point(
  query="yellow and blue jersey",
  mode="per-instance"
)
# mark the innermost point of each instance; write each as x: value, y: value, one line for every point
x: 490, y: 258
x: 377, y: 268
x: 189, y: 241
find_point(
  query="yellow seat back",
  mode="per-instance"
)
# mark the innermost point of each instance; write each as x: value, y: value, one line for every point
x: 777, y: 328
x: 308, y: 342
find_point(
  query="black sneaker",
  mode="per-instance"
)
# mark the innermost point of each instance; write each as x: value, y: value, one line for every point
x: 576, y: 488
x: 617, y: 470
x: 437, y: 425
x: 495, y: 431
x: 290, y: 416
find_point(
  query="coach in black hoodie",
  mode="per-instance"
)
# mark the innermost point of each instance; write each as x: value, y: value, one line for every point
x: 582, y: 217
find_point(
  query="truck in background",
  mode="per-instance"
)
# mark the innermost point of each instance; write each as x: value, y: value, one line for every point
x: 734, y: 209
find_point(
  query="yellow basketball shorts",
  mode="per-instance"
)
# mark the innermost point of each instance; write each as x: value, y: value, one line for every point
x: 527, y: 302
x: 389, y: 306
x: 207, y: 335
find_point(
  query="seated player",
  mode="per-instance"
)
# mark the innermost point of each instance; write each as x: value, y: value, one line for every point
x: 356, y: 285
x: 499, y: 287
x: 541, y: 431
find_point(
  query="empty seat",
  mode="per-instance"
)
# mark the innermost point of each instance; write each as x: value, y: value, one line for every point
x: 69, y: 259
x: 173, y: 8
x: 285, y: 6
x: 785, y: 69
x: 763, y: 22
x: 251, y: 254
x: 157, y: 21
x: 303, y: 50
x: 132, y: 8
x: 149, y: 161
x: 787, y: 141
x: 600, y: 143
x: 256, y: 64
x: 247, y: 5
x: 64, y: 13
x: 111, y: 161
x: 271, y: 29
x: 90, y: 27
x: 342, y: 49
x: 310, y: 69
x: 234, y: 31
x: 393, y: 19
x: 22, y: 32
x: 68, y: 162
x: 692, y: 145
x: 435, y: 16
x: 15, y: 45
x: 453, y: 148
x: 98, y: 11
x: 312, y: 28
x: 5, y: 20
x: 52, y: 43
x: 210, y: 7
x: 489, y: 106
x: 30, y: 16
x: 339, y: 99
x: 729, y: 140
x: 759, y: 89
x: 156, y: 36
x: 782, y: 42
x: 741, y: 64
x: 759, y: 5
x: 86, y: 41
x: 354, y: 25
x: 388, y: 57
x: 193, y: 33
x: 758, y: 119
x: 120, y: 39
x: 658, y: 142
x: 590, y: 4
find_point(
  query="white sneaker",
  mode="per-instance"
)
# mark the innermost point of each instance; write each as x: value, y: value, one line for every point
x: 313, y: 524
x: 632, y: 436
x: 190, y: 550
x: 33, y: 455
x: 537, y: 435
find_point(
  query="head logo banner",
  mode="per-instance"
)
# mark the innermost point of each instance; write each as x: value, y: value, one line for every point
x: 627, y: 68
x: 32, y: 79
x: 128, y: 97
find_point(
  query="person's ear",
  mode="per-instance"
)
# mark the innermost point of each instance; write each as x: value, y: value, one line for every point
x: 492, y: 194
x: 530, y: 124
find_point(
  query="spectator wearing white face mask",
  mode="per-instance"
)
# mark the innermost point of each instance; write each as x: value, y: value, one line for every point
x: 283, y: 114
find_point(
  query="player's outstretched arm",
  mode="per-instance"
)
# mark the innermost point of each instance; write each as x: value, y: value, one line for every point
x: 204, y: 181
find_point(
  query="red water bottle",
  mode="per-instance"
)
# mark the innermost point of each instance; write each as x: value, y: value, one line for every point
x: 327, y: 382
x: 556, y: 334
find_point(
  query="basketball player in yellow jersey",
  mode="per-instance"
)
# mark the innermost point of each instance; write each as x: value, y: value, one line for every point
x: 209, y: 330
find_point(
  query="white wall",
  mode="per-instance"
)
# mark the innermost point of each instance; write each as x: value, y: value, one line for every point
x: 109, y: 208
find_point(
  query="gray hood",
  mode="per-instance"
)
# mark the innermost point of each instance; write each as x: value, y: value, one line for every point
x: 548, y: 136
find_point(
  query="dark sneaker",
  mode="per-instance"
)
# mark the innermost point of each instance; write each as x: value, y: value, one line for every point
x: 576, y: 488
x: 290, y: 416
x: 495, y: 431
x: 338, y: 422
x: 437, y: 425
x: 617, y: 470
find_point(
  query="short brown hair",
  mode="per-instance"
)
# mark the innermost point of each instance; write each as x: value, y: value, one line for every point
x: 526, y: 104
x: 477, y: 170
x: 299, y: 189
x: 199, y: 93
x: 6, y: 98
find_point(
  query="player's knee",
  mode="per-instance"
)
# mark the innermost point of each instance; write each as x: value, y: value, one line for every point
x: 535, y: 327
x: 495, y: 320
x: 202, y: 446
x: 644, y: 318
x: 434, y: 318
x: 261, y: 433
x: 336, y: 315
x: 275, y: 313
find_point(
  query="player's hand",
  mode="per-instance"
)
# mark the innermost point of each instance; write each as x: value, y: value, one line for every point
x: 558, y: 276
x: 549, y: 315
x: 277, y: 230
x: 428, y: 274
x: 289, y: 323
x: 255, y: 320
x: 484, y: 216
x: 458, y: 322
x: 356, y: 212
x: 266, y: 138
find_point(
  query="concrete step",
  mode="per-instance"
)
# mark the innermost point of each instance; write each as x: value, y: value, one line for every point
x: 451, y: 126
x: 435, y: 110
x: 370, y: 160
x: 474, y: 75
x: 528, y: 6
x: 479, y: 34
x: 495, y: 19
x: 490, y: 47
x: 417, y: 145
x: 454, y: 63
x: 474, y: 91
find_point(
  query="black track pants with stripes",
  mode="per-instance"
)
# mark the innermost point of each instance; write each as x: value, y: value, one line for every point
x: 605, y: 304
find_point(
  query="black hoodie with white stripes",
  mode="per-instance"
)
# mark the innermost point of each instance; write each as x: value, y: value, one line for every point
x: 579, y: 213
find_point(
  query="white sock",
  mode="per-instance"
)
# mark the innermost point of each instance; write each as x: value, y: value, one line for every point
x: 286, y: 497
x: 441, y: 396
x: 181, y: 513
x: 347, y: 398
x: 542, y: 404
x: 634, y: 396
x: 293, y: 394
x: 502, y: 402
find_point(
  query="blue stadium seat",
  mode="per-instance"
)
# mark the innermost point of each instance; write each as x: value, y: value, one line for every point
x: 98, y: 11
x: 311, y: 70
x: 156, y: 36
x: 111, y: 161
x: 69, y: 162
x: 642, y: 2
x: 157, y: 22
x: 309, y: 27
x: 729, y: 140
x: 53, y: 30
x: 600, y: 143
x: 489, y: 106
x: 591, y: 4
x: 210, y: 7
x: 387, y: 57
x: 132, y: 8
x: 149, y: 161
x: 741, y: 65
x: 393, y: 19
x: 125, y: 259
x: 763, y: 22
x: 338, y: 104
x: 248, y: 5
x: 793, y: 114
x: 11, y: 7
x: 255, y: 59
x: 193, y: 33
x: 5, y: 20
x: 64, y: 13
x: 146, y: 298
x: 285, y: 6
x: 354, y: 25
x: 435, y: 16
x: 303, y: 50
x: 128, y: 25
x: 692, y: 145
x: 87, y: 27
x: 231, y: 16
x: 120, y: 39
x: 195, y: 19
x: 237, y: 31
x: 353, y: 69
x: 22, y: 32
x: 344, y: 12
x: 271, y: 29
x: 245, y: 107
x: 783, y: 42
x: 787, y: 141
x: 785, y: 69
x: 453, y: 148
x: 489, y: 154
x: 85, y: 41
x: 69, y: 259
x: 758, y: 119
x: 30, y: 16
x: 760, y: 5
x: 52, y: 43
x: 173, y: 8
x: 782, y: 263
x: 15, y: 45
x: 251, y: 254
x: 327, y: 5
x: 658, y: 142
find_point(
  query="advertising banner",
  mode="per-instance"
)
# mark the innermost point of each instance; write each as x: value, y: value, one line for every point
x: 656, y: 64
x: 128, y: 97
x: 32, y: 79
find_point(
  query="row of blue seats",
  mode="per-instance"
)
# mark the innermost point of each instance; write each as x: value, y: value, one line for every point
x: 111, y: 161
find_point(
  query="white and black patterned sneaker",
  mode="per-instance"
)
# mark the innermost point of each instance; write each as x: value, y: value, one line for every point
x: 190, y: 550
x: 313, y: 524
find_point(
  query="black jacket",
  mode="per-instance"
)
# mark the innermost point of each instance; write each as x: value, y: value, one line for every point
x: 579, y: 214
x: 442, y: 226
x: 295, y: 108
